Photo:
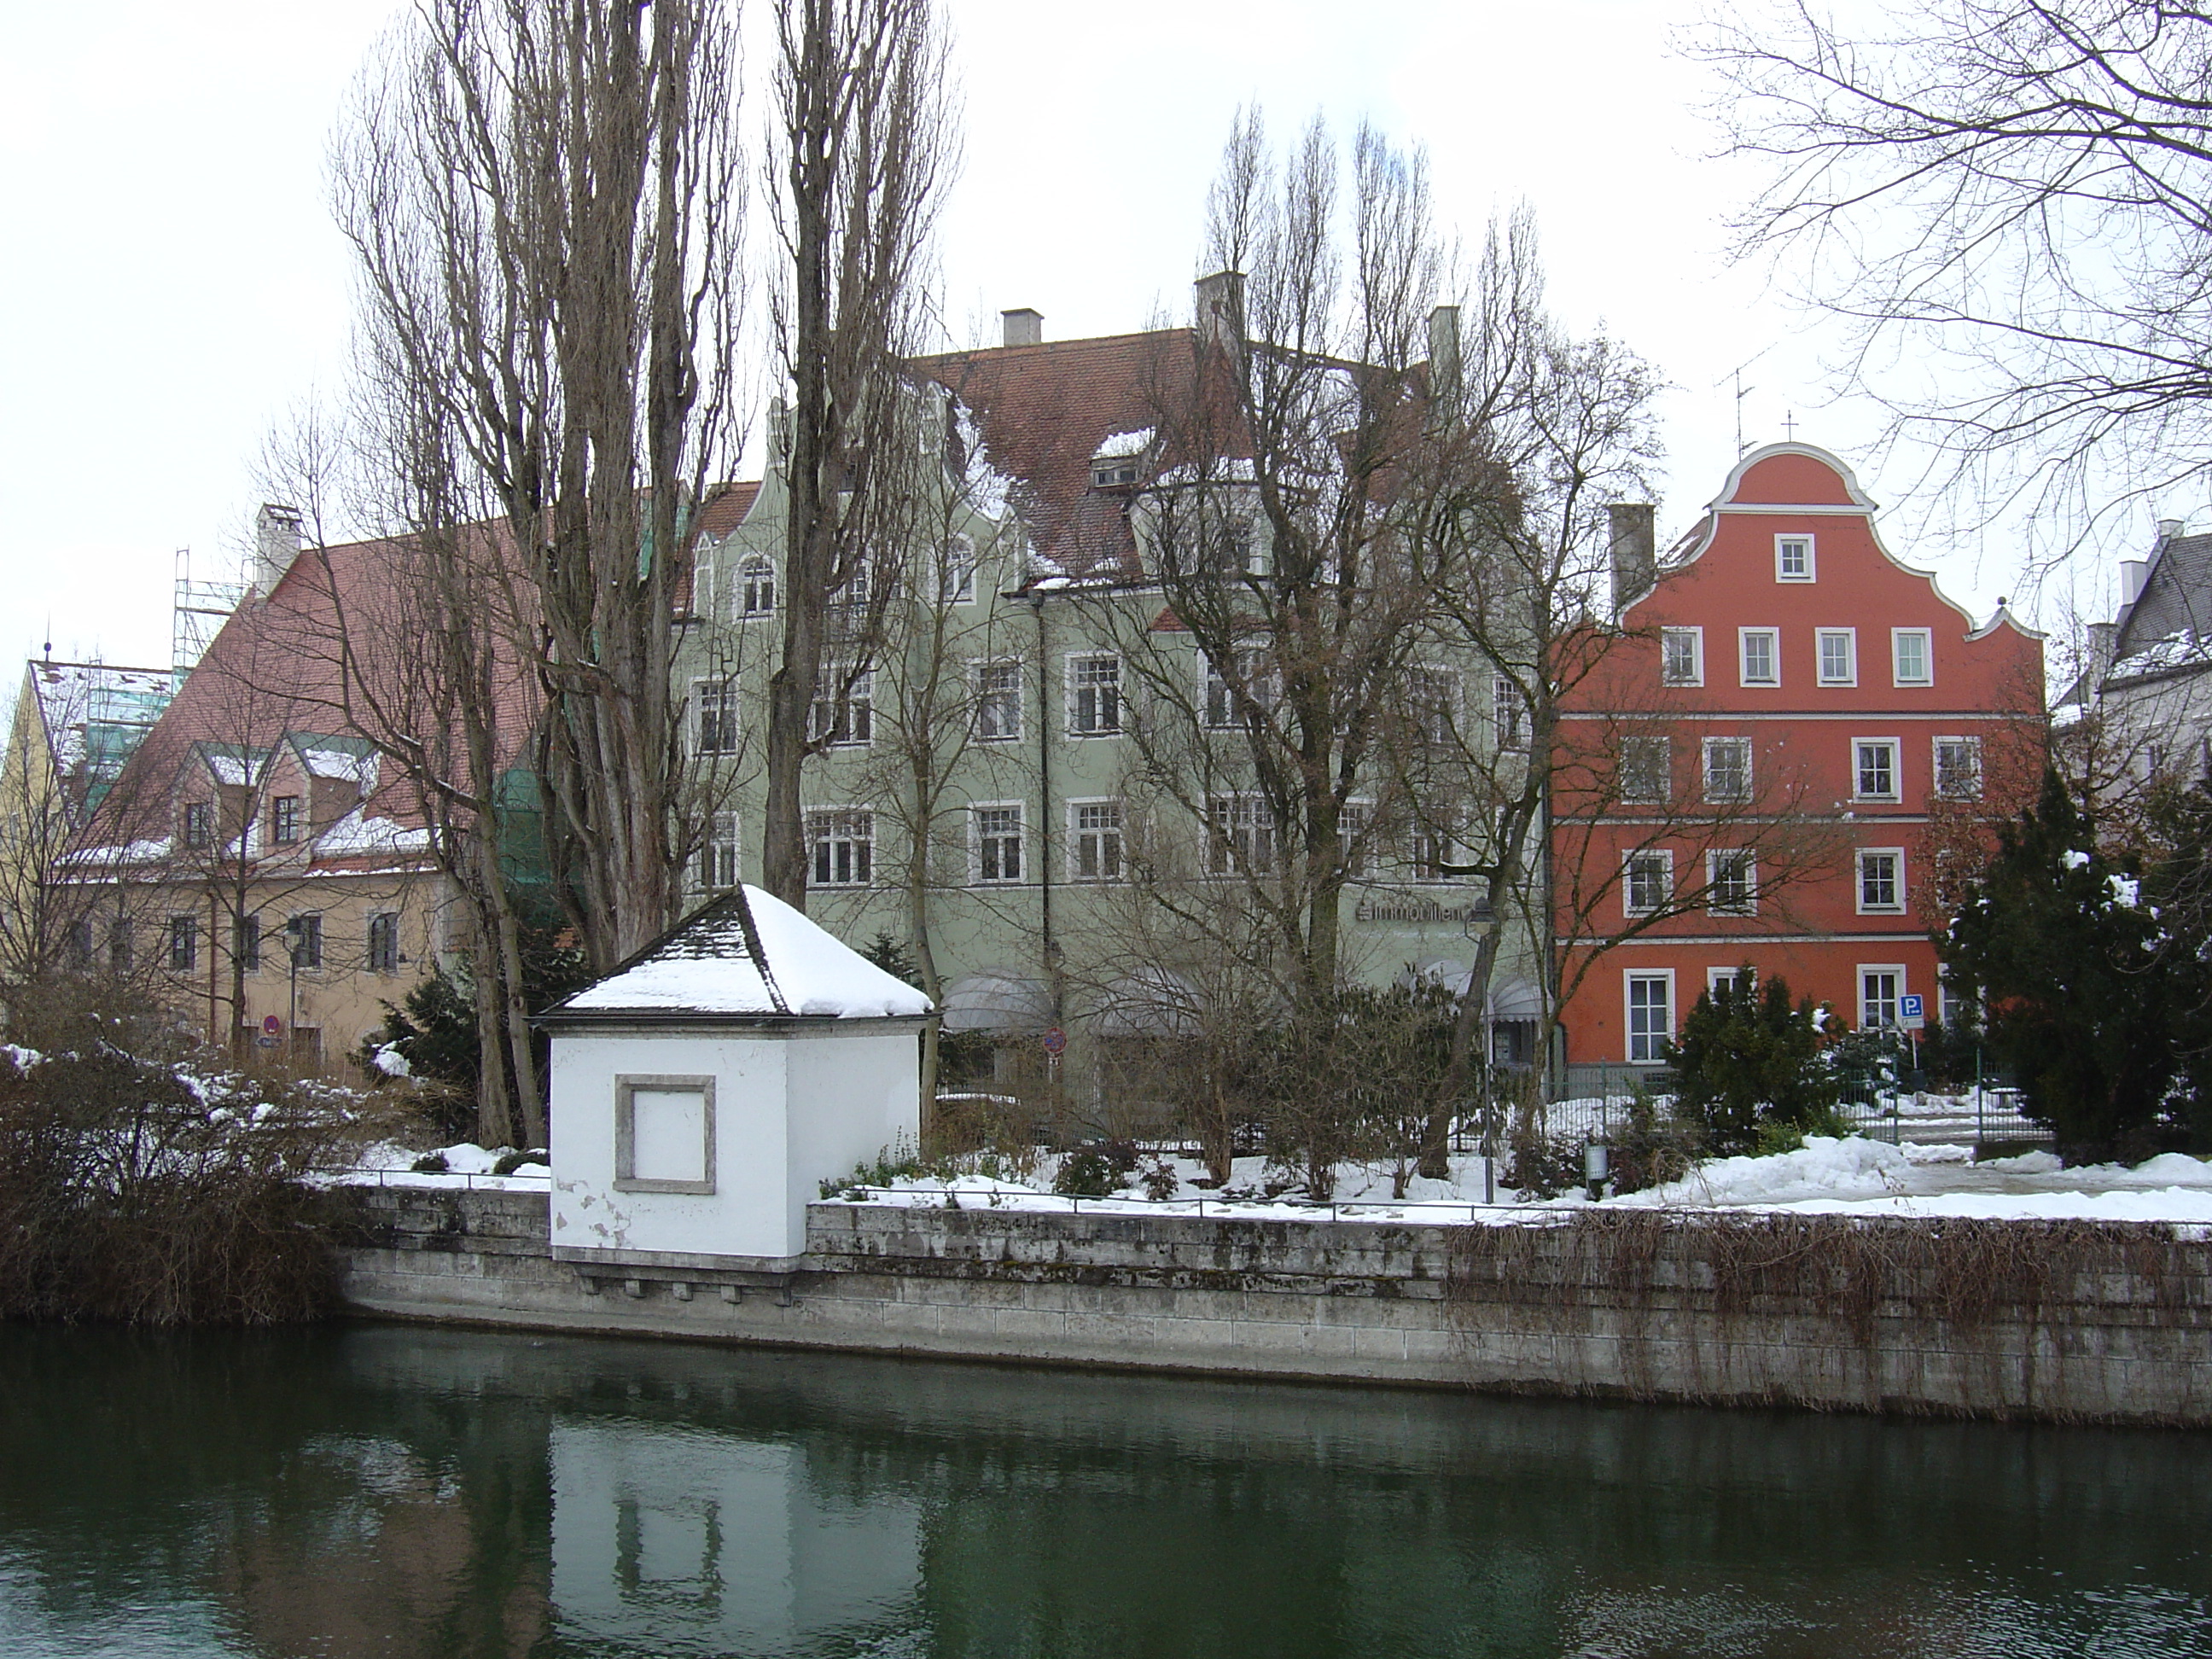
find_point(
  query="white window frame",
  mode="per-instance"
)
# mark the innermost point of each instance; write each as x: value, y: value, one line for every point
x: 821, y: 823
x: 851, y: 711
x: 1429, y: 848
x: 1630, y: 978
x: 1074, y: 663
x: 757, y: 583
x: 730, y: 732
x: 1858, y: 987
x: 1896, y: 791
x: 1935, y: 760
x: 1508, y: 712
x: 1217, y: 698
x: 1077, y: 835
x: 1624, y: 773
x: 1717, y: 977
x: 1736, y: 745
x: 1247, y: 812
x: 1714, y: 906
x: 985, y: 667
x: 1433, y: 698
x: 717, y: 855
x: 1782, y: 571
x: 1668, y: 638
x: 1355, y: 824
x: 976, y: 858
x: 955, y: 577
x: 1927, y: 638
x: 1772, y: 636
x: 1629, y: 861
x: 1850, y: 636
x: 1859, y: 884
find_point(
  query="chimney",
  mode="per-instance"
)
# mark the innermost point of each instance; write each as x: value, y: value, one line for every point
x: 2103, y: 641
x: 2132, y: 571
x: 1443, y: 354
x: 2168, y: 529
x: 276, y: 545
x: 1022, y: 327
x: 1635, y: 547
x: 1220, y: 309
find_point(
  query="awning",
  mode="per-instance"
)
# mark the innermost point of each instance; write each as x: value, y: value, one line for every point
x: 1510, y: 998
x: 998, y: 999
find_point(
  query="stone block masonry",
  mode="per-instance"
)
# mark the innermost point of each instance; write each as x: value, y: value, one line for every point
x: 2016, y: 1319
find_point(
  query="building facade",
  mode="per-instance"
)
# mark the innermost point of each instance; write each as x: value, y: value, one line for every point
x: 1795, y: 744
x: 1036, y: 776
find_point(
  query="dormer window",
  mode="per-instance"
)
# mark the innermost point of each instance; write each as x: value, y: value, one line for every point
x: 1110, y: 474
x: 1114, y: 467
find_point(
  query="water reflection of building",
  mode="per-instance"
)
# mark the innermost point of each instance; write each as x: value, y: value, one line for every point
x: 668, y: 1539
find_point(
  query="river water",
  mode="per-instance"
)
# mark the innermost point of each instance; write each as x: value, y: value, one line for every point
x: 396, y: 1491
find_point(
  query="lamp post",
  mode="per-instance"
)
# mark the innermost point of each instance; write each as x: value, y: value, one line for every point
x: 1597, y: 1164
x: 295, y: 936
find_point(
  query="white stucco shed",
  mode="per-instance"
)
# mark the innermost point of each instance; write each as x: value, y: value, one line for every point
x: 702, y: 1091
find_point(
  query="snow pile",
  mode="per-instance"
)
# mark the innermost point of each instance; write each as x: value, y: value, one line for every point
x: 705, y: 967
x: 1857, y: 1177
x: 389, y: 1060
x: 387, y: 1164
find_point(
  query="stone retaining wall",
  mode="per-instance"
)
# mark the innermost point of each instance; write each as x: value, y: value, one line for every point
x: 1642, y: 1308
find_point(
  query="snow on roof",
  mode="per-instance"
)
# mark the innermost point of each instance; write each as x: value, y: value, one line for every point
x: 356, y: 832
x: 1119, y: 445
x: 355, y: 762
x: 2180, y: 649
x: 705, y: 967
x: 74, y: 696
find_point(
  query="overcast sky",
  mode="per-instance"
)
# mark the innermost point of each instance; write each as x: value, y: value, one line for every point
x: 171, y: 282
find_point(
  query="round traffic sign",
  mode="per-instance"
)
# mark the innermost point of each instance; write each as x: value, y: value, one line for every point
x: 271, y: 1023
x: 1056, y: 1041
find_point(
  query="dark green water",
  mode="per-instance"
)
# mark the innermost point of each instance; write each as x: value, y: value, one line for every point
x: 395, y: 1492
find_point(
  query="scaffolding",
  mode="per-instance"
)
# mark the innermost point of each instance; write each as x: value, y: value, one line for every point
x: 197, y: 615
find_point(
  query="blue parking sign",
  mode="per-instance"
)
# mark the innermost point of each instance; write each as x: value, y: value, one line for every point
x: 1911, y: 1012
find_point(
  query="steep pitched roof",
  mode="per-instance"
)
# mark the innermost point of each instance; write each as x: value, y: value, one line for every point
x: 1045, y: 410
x: 708, y: 967
x: 2175, y: 603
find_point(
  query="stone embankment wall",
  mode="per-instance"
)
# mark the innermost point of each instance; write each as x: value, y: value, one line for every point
x: 1998, y: 1319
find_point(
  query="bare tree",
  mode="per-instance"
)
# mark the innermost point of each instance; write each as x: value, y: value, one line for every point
x: 546, y: 204
x: 2016, y: 192
x: 863, y: 143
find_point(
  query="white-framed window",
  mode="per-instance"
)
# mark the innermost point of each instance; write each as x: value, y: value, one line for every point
x: 1649, y: 994
x: 1251, y: 674
x: 1682, y: 656
x: 1731, y: 882
x: 956, y: 575
x: 757, y: 586
x: 1508, y: 712
x: 1953, y: 1005
x: 843, y: 844
x: 1647, y: 881
x: 998, y: 701
x: 1881, y: 984
x: 1911, y: 656
x: 384, y: 942
x: 1353, y: 821
x: 714, y: 725
x: 1432, y: 699
x: 1738, y: 979
x: 1837, y: 650
x: 847, y: 720
x: 1873, y: 769
x: 1094, y: 840
x: 1647, y: 768
x: 997, y: 834
x: 1881, y: 881
x: 1758, y: 651
x: 1793, y: 557
x: 1433, y: 846
x: 1727, y: 769
x: 717, y: 868
x: 1959, y: 769
x: 1240, y: 835
x: 1094, y: 695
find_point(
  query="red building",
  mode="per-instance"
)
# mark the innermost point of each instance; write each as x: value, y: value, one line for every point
x: 1766, y: 768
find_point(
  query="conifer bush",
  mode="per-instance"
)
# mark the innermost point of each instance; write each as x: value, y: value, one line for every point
x: 1749, y: 1058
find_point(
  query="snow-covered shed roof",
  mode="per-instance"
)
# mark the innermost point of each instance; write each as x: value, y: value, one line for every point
x: 710, y: 967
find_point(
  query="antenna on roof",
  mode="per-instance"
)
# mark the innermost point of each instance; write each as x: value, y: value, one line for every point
x: 50, y: 636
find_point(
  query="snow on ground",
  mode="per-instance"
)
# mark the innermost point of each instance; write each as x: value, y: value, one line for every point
x: 387, y: 1164
x: 1858, y: 1177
